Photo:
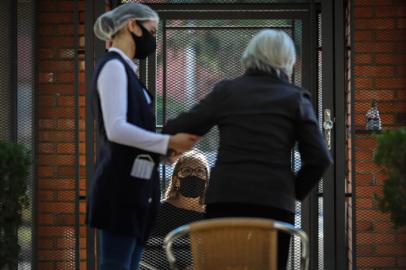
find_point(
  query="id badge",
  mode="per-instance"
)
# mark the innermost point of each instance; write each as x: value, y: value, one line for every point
x: 142, y: 167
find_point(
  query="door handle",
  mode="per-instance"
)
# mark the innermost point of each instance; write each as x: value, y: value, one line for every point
x: 328, y: 127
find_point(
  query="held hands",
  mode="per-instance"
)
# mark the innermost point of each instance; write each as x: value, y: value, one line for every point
x: 180, y: 143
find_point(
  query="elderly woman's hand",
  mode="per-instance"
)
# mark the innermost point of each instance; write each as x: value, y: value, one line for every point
x: 182, y: 142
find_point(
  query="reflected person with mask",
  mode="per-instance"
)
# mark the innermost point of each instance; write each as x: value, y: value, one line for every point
x: 124, y: 196
x: 183, y: 204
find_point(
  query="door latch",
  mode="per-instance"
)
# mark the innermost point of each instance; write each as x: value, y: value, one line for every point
x: 328, y: 127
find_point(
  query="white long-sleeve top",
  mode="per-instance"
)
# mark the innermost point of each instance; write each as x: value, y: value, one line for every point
x: 112, y: 87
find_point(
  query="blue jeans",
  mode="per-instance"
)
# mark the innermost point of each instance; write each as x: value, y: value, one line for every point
x: 119, y: 252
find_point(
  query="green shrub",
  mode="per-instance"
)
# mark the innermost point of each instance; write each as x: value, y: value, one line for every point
x: 391, y: 154
x: 15, y: 162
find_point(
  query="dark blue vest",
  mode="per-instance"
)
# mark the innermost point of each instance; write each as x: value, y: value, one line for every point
x: 117, y: 201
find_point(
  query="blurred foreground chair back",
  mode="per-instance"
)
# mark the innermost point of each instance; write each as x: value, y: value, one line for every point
x: 235, y: 244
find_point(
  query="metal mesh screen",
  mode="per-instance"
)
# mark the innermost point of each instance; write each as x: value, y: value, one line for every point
x: 25, y: 108
x: 60, y: 137
x: 5, y: 55
x: 192, y: 56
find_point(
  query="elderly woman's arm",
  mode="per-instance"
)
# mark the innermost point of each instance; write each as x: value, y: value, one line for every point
x: 315, y: 156
x: 201, y: 118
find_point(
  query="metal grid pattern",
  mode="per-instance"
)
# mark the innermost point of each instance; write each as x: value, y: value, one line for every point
x: 5, y: 55
x: 25, y: 121
x: 192, y: 56
x: 59, y: 140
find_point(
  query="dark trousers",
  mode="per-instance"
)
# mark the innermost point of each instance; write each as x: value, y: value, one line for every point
x: 119, y: 252
x: 217, y: 210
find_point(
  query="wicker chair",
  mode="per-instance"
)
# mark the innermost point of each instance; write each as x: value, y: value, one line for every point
x: 235, y: 243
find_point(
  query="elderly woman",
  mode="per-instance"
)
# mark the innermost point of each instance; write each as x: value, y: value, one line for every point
x: 124, y: 195
x: 260, y: 116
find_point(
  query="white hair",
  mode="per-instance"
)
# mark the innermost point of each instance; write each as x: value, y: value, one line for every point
x: 109, y: 23
x: 270, y: 50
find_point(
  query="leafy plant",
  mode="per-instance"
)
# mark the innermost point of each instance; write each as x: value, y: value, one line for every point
x: 391, y: 154
x: 15, y: 161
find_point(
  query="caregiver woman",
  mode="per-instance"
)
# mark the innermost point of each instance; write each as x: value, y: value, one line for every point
x: 124, y: 194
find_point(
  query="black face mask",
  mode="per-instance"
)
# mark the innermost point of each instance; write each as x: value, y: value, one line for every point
x: 191, y: 186
x: 144, y: 45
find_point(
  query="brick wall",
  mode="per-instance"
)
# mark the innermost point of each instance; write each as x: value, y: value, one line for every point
x: 57, y: 159
x: 379, y: 56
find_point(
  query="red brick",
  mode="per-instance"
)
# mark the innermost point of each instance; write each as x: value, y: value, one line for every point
x: 56, y: 136
x: 365, y: 250
x: 376, y: 261
x: 69, y: 243
x: 67, y: 171
x: 374, y: 47
x: 66, y: 148
x: 56, y: 18
x: 46, y: 53
x: 392, y: 83
x: 66, y: 124
x: 67, y: 101
x: 46, y: 124
x: 401, y: 94
x: 45, y: 219
x: 372, y: 215
x: 363, y: 36
x: 66, y: 196
x: 392, y: 59
x: 364, y: 226
x: 56, y: 184
x: 57, y: 112
x: 374, y: 24
x: 384, y: 226
x: 46, y: 101
x: 373, y: 237
x: 46, y: 265
x: 65, y: 255
x: 390, y: 249
x: 381, y: 95
x: 363, y: 155
x: 46, y: 195
x: 391, y: 11
x: 401, y: 23
x: 402, y: 262
x: 50, y: 42
x: 361, y: 12
x: 45, y: 171
x: 368, y: 192
x: 374, y: 71
x: 364, y: 179
x: 362, y: 106
x: 47, y: 30
x: 371, y: 2
x: 362, y: 83
x: 65, y: 219
x: 393, y: 106
x: 52, y: 66
x: 45, y: 243
x: 363, y: 59
x: 364, y: 203
x: 401, y: 71
x: 64, y: 160
x: 46, y: 148
x: 56, y: 207
x: 391, y: 35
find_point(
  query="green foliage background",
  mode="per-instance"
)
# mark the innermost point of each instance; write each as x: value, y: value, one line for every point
x: 391, y: 154
x: 15, y: 162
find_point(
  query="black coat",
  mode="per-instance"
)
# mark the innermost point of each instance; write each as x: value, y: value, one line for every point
x: 260, y: 119
x: 117, y: 201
